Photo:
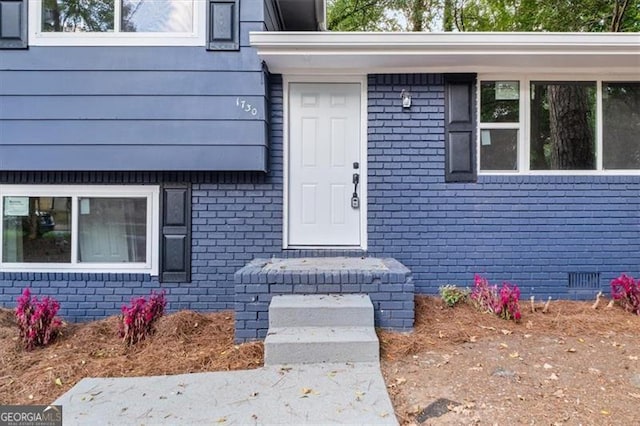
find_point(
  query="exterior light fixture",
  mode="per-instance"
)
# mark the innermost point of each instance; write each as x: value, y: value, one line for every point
x: 406, y: 98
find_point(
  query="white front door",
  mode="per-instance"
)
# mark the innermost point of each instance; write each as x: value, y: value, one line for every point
x: 324, y: 147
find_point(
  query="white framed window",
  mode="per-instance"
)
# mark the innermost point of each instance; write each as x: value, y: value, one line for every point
x: 64, y: 228
x: 555, y: 125
x: 117, y: 22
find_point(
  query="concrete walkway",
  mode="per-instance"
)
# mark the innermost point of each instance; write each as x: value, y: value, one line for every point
x: 292, y: 394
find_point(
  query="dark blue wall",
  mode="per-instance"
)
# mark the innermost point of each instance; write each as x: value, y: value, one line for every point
x: 533, y: 231
x: 136, y: 108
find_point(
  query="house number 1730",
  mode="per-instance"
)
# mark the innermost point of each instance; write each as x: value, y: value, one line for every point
x: 246, y: 106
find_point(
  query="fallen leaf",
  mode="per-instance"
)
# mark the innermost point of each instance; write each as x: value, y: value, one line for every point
x: 559, y: 393
x: 553, y: 376
x: 572, y: 350
x: 415, y: 409
x: 514, y: 355
x: 58, y: 381
x: 504, y: 345
x: 487, y: 328
x: 306, y: 391
x: 581, y: 340
x: 506, y: 332
x: 473, y: 339
x: 400, y: 380
x: 547, y: 366
x: 633, y: 358
x: 221, y: 420
x: 359, y: 395
x: 384, y: 414
x: 605, y: 412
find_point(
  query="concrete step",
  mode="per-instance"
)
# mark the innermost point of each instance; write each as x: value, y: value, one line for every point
x: 303, y: 345
x: 330, y: 310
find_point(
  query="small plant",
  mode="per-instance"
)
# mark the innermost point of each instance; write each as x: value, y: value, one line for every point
x: 509, y: 302
x: 504, y: 302
x: 37, y: 320
x: 452, y: 295
x: 626, y: 292
x: 139, y: 318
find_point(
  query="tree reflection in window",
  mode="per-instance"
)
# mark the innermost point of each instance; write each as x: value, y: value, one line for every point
x: 78, y: 15
x: 165, y: 16
x: 563, y: 118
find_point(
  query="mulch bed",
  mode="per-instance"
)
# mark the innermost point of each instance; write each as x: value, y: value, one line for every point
x: 190, y: 342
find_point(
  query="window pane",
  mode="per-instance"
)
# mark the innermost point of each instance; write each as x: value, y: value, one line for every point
x: 563, y: 116
x: 499, y: 149
x: 77, y: 15
x: 112, y: 230
x: 621, y: 125
x: 36, y: 230
x: 166, y: 16
x: 500, y: 102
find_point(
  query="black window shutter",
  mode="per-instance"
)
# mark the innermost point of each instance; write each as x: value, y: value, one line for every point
x: 13, y: 24
x: 460, y: 128
x: 223, y: 25
x: 175, y: 235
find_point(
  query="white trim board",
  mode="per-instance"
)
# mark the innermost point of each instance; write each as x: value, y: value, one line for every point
x: 346, y: 53
x: 362, y: 80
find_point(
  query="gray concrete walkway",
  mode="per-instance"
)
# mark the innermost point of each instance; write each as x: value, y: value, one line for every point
x: 293, y: 394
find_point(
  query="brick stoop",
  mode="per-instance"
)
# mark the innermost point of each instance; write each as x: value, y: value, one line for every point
x: 321, y: 328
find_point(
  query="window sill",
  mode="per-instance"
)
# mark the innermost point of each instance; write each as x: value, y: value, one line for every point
x: 103, y: 268
x: 564, y: 173
x: 113, y: 39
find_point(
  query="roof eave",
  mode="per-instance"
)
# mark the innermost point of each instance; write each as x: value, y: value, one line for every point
x: 328, y: 52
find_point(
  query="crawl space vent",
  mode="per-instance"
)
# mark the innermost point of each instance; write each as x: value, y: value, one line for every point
x: 583, y: 285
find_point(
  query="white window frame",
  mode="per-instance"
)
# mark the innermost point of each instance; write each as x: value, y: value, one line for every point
x: 151, y: 193
x: 37, y: 37
x: 524, y: 125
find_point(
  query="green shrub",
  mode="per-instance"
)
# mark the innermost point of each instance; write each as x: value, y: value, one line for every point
x: 452, y: 295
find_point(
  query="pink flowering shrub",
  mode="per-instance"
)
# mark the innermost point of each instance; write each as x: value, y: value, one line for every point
x: 503, y: 302
x: 37, y: 320
x: 139, y: 318
x: 626, y: 292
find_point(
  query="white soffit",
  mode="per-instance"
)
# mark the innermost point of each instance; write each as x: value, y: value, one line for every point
x: 349, y: 52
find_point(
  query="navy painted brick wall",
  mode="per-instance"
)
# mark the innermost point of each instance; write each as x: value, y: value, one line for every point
x: 531, y: 230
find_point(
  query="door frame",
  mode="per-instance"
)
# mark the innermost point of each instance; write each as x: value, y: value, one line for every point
x: 320, y: 79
